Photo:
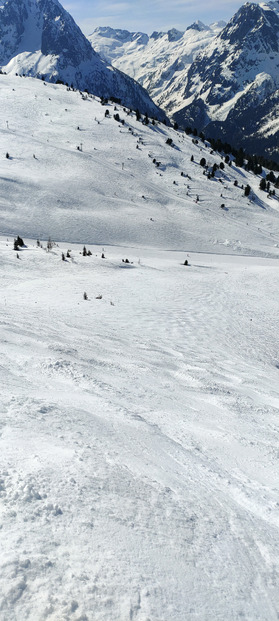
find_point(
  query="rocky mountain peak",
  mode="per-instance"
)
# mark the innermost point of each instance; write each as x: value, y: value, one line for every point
x: 39, y: 37
x: 232, y: 84
x: 253, y: 24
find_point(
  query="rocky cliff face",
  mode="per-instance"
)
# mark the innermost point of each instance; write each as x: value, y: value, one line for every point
x: 38, y: 37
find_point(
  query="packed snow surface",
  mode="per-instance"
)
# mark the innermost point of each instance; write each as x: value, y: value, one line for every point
x: 138, y: 427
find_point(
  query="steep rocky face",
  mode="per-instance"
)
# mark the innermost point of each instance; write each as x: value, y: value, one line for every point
x: 232, y: 86
x: 40, y: 37
x: 31, y: 25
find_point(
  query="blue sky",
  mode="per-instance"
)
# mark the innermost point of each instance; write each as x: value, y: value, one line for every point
x: 148, y: 15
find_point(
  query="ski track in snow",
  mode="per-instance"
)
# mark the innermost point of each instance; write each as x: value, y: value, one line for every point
x: 138, y: 446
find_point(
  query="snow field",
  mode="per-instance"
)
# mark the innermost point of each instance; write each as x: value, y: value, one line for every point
x: 138, y: 447
x: 112, y: 192
x: 138, y: 428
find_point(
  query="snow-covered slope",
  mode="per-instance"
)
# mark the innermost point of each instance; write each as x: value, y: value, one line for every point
x: 233, y: 85
x: 112, y: 190
x: 159, y: 62
x: 40, y: 38
x: 139, y: 436
x: 138, y: 427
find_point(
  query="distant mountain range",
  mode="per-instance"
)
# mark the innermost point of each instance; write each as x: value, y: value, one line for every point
x: 40, y: 38
x: 160, y: 62
x: 221, y: 79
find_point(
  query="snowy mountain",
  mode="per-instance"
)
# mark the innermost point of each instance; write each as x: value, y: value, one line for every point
x: 233, y: 86
x: 159, y: 62
x: 139, y: 378
x: 210, y: 77
x: 39, y: 38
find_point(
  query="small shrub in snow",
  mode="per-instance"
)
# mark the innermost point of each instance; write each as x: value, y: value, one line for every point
x: 271, y: 177
x: 20, y: 241
x: 63, y: 257
x: 85, y: 296
x: 7, y: 155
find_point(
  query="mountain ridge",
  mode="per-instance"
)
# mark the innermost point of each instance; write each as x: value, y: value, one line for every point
x: 235, y: 74
x: 159, y: 62
x: 40, y: 38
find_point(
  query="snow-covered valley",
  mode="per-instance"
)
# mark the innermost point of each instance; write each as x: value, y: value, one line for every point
x: 139, y: 427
